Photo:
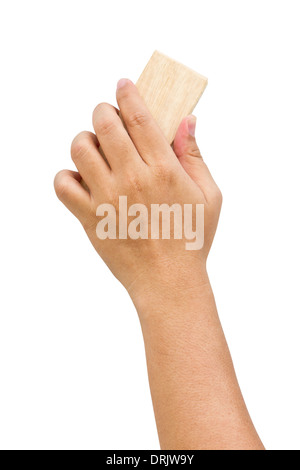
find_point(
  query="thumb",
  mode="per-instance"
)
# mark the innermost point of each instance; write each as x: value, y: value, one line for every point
x: 185, y: 143
x: 187, y: 151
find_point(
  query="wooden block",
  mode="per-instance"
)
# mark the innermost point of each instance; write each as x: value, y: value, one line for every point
x: 171, y: 91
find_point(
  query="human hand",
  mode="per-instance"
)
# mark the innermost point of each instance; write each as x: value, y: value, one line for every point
x: 139, y: 163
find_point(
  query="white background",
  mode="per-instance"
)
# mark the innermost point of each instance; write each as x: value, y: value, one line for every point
x: 72, y: 366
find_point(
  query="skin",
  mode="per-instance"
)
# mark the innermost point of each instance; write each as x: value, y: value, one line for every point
x: 196, y: 397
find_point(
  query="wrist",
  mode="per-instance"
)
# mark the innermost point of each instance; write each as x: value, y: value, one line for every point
x: 170, y: 291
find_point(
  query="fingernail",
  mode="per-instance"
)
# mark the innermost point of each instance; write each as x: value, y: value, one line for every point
x: 122, y: 83
x: 192, y: 125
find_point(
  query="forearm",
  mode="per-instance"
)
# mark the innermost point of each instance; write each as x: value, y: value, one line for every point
x: 196, y: 396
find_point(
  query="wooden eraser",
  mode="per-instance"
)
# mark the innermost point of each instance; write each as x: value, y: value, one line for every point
x: 170, y: 90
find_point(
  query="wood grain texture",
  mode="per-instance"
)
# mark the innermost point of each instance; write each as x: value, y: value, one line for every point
x: 170, y: 90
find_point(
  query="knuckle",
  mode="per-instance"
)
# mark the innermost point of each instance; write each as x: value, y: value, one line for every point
x: 138, y: 119
x: 195, y: 152
x: 61, y: 186
x: 79, y: 147
x: 124, y: 92
x: 103, y: 118
x: 105, y: 126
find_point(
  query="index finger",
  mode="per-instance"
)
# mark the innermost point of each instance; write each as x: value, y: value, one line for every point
x: 144, y: 131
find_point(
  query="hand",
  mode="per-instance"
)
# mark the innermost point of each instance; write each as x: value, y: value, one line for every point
x: 139, y: 163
